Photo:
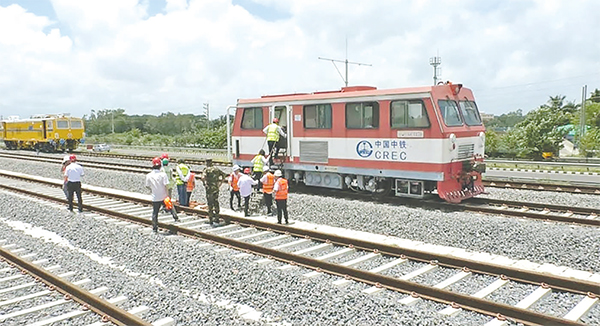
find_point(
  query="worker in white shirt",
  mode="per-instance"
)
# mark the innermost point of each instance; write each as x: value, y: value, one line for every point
x: 245, y: 184
x: 157, y: 181
x: 73, y: 174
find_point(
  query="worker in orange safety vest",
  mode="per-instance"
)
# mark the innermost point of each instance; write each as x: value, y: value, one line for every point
x: 280, y: 189
x: 268, y: 182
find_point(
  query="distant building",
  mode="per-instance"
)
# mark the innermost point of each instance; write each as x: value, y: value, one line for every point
x: 486, y: 116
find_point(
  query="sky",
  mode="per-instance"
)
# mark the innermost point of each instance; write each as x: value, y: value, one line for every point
x: 158, y: 56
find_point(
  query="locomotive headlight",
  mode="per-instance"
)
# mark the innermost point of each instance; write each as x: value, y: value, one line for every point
x: 452, y: 138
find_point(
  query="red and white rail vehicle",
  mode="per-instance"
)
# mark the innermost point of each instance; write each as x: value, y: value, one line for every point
x: 412, y: 141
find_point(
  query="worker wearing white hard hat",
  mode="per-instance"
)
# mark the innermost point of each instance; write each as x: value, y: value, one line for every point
x: 280, y: 189
x: 268, y: 181
x: 234, y: 189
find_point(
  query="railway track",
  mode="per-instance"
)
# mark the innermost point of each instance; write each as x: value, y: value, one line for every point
x: 30, y: 292
x: 581, y: 188
x: 575, y: 215
x: 342, y: 256
x: 590, y: 189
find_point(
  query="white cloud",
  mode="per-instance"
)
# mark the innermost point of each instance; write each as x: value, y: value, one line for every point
x: 114, y: 54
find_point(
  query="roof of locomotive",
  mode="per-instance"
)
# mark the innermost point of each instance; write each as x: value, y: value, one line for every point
x: 344, y: 92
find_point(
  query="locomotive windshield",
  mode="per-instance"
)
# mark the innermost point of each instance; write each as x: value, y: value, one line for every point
x: 76, y: 124
x: 449, y: 111
x: 470, y: 113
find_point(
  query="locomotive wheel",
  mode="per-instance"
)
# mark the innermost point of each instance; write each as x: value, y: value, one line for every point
x: 383, y: 188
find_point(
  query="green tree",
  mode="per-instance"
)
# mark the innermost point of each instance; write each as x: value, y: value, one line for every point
x: 539, y: 132
x: 589, y: 144
x: 506, y: 120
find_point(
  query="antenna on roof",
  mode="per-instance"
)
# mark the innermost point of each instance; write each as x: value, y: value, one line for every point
x: 346, y: 62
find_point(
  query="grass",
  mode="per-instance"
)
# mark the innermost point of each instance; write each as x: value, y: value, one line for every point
x: 543, y: 167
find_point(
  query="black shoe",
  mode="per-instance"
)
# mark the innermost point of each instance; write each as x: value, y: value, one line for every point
x: 286, y: 222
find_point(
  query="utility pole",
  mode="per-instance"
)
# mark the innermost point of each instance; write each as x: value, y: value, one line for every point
x: 435, y: 62
x: 112, y: 120
x: 582, y: 116
x: 346, y: 62
x: 207, y: 113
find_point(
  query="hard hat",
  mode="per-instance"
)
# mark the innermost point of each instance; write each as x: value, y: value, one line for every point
x: 156, y: 161
x: 72, y: 157
x: 265, y: 168
x: 247, y: 170
x: 275, y: 120
x: 278, y: 173
x: 67, y: 158
x: 236, y: 168
x: 165, y: 161
x: 165, y: 155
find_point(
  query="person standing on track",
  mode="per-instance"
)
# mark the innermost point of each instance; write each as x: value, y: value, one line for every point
x: 212, y: 177
x: 245, y: 184
x: 273, y: 132
x: 182, y: 175
x: 157, y: 181
x: 234, y: 189
x: 189, y: 186
x: 73, y: 174
x: 268, y: 181
x: 281, y: 194
x: 66, y: 161
x: 169, y: 172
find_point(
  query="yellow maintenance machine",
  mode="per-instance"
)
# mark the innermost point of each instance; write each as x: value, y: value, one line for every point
x: 46, y: 133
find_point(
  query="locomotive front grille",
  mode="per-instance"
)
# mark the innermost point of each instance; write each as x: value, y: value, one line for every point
x: 465, y: 151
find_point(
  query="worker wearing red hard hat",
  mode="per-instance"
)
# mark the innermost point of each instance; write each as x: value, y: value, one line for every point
x: 157, y: 182
x: 73, y: 173
x: 273, y: 132
x: 245, y: 183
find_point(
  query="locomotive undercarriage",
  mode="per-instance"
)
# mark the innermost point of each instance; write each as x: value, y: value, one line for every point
x: 46, y: 147
x: 376, y: 186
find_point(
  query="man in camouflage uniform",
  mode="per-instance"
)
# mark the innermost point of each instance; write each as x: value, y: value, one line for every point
x: 212, y: 178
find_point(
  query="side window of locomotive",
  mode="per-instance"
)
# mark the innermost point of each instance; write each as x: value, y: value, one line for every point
x: 49, y: 125
x: 470, y: 113
x: 252, y: 118
x: 75, y: 124
x: 317, y: 116
x: 449, y: 111
x: 408, y: 114
x: 364, y: 115
x: 280, y: 114
x: 62, y: 124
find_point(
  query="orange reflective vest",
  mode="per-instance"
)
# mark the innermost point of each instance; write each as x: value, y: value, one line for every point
x: 268, y: 186
x: 191, y: 182
x: 282, y: 190
x: 234, y: 180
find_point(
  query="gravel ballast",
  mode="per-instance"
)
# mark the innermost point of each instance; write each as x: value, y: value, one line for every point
x: 556, y: 243
x: 194, y: 284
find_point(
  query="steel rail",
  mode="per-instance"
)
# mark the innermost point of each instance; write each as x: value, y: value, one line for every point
x: 552, y: 207
x: 444, y: 296
x: 587, y: 189
x: 108, y: 311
